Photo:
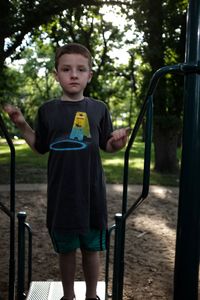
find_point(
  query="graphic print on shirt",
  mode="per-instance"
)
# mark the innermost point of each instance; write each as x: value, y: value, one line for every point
x: 80, y: 127
x: 75, y: 141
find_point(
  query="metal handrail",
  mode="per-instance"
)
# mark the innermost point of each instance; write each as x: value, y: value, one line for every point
x: 120, y: 218
x: 111, y: 229
x: 22, y: 227
x: 10, y: 211
x: 30, y: 235
x: 180, y: 69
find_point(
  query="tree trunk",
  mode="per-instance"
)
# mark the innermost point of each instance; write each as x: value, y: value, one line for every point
x: 165, y: 145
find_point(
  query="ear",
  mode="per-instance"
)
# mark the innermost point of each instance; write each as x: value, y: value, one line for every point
x: 90, y: 76
x: 55, y: 73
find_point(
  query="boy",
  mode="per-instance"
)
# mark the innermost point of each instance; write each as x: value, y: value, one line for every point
x: 72, y: 129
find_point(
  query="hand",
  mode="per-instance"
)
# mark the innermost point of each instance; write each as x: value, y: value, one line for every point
x: 15, y: 114
x: 18, y: 119
x: 118, y: 139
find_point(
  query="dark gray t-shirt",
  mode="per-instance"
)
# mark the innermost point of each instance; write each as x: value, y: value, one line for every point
x: 73, y: 132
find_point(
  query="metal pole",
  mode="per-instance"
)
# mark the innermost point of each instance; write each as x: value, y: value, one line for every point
x: 21, y: 255
x: 11, y: 293
x: 118, y: 263
x: 12, y: 223
x: 188, y: 226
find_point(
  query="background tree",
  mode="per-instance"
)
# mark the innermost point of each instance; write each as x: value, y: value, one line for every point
x: 163, y: 26
x: 162, y: 33
x: 19, y: 18
x: 87, y: 26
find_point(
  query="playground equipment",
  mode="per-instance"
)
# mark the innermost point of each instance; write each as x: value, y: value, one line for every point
x: 10, y: 212
x: 188, y: 229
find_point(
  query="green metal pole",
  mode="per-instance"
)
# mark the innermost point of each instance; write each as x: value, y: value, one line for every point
x: 188, y: 226
x: 21, y: 255
x: 118, y: 263
x: 11, y: 213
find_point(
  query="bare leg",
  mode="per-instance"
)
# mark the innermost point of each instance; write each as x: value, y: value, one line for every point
x: 67, y: 264
x: 91, y: 263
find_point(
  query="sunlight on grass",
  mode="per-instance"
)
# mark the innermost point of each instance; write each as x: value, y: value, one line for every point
x: 4, y: 150
x: 30, y: 166
x: 113, y: 161
x: 134, y: 162
x: 24, y: 155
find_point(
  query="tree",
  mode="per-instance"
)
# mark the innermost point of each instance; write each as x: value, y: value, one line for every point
x: 39, y: 84
x: 85, y: 25
x: 21, y: 17
x: 163, y: 26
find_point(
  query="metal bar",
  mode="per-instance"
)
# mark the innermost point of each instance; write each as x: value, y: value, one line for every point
x: 107, y: 295
x: 117, y: 263
x: 147, y: 158
x: 127, y: 154
x: 11, y: 291
x: 21, y: 255
x: 118, y: 276
x: 118, y: 268
x: 6, y: 210
x: 28, y: 228
x: 179, y: 69
x: 188, y: 227
x: 147, y: 152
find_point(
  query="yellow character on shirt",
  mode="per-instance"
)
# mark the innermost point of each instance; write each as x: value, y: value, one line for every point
x: 80, y: 127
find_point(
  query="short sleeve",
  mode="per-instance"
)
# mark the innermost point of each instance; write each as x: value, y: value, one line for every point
x: 41, y: 133
x: 106, y: 128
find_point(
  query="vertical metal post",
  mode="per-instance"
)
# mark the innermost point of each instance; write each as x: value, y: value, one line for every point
x: 147, y: 153
x: 29, y: 230
x: 188, y: 227
x: 21, y: 255
x: 11, y: 293
x: 118, y: 263
x: 12, y: 223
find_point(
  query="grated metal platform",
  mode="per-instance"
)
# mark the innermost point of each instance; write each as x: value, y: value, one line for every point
x: 52, y: 290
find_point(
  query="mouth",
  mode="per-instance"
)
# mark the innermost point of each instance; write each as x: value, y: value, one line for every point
x: 74, y: 84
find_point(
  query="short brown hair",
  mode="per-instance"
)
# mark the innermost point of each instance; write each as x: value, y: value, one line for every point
x: 73, y: 48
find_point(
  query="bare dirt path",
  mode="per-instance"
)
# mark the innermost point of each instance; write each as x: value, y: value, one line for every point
x: 150, y: 239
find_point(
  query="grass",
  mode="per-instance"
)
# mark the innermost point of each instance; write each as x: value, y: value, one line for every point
x: 31, y: 167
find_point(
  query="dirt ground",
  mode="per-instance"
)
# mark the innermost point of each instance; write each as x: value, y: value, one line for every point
x: 149, y: 247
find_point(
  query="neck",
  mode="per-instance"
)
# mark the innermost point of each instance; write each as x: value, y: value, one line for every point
x: 72, y: 97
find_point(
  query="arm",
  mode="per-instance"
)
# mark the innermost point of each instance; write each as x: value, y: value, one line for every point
x: 117, y: 140
x: 18, y: 119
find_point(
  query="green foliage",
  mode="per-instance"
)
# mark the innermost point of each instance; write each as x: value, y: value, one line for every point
x: 163, y: 28
x: 21, y: 17
x: 87, y: 26
x: 39, y: 83
x: 33, y: 29
x: 12, y: 91
x: 31, y: 167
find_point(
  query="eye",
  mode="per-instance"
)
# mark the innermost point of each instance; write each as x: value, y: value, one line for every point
x: 65, y: 69
x: 82, y: 69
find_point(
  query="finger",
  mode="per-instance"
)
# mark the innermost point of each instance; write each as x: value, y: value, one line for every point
x: 128, y: 130
x: 8, y: 108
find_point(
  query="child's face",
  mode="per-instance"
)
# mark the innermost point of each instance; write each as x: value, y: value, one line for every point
x: 73, y: 74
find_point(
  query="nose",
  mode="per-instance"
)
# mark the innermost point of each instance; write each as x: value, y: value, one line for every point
x: 74, y: 73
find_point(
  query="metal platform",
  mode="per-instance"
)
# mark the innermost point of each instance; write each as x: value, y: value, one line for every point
x: 52, y: 290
